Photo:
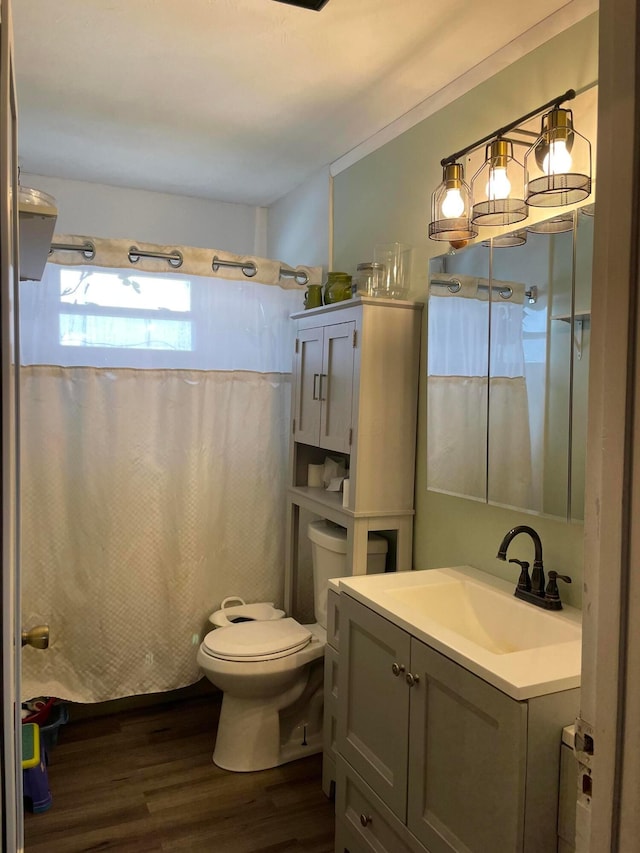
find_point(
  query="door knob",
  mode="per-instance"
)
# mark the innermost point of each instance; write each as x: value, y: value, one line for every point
x: 37, y: 637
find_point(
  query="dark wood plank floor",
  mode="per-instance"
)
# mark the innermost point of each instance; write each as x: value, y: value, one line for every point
x: 143, y: 782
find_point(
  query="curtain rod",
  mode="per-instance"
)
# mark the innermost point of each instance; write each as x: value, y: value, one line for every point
x: 87, y: 249
x: 249, y: 268
x: 454, y: 285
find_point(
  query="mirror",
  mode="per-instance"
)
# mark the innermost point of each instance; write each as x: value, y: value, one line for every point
x: 507, y: 378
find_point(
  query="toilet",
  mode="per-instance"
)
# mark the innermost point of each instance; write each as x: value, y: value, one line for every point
x: 270, y: 670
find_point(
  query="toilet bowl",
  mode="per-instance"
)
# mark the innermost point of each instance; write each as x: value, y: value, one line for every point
x: 271, y: 670
x: 258, y: 686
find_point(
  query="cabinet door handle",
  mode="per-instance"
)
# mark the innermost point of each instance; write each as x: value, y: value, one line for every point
x: 397, y: 668
x: 365, y: 819
x: 412, y: 679
x: 316, y: 376
x: 322, y: 376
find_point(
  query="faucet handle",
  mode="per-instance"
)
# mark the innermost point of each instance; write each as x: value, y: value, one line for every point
x: 552, y: 587
x: 524, y: 581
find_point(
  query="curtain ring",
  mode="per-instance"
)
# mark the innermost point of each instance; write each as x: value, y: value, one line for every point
x: 506, y: 292
x: 301, y: 278
x: 249, y: 269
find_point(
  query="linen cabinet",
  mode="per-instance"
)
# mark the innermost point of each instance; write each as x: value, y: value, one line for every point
x: 430, y: 757
x: 355, y: 393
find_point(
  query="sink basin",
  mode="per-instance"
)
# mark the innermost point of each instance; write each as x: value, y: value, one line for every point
x: 486, y: 617
x: 475, y: 620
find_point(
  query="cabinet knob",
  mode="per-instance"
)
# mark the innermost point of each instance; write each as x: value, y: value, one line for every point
x: 412, y: 679
x: 397, y: 668
x: 365, y: 819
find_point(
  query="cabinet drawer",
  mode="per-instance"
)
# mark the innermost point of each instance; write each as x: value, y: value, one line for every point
x: 333, y: 619
x: 363, y: 821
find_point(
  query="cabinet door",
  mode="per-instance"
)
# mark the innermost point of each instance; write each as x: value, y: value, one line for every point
x: 308, y: 370
x: 467, y: 760
x: 337, y: 386
x: 373, y: 711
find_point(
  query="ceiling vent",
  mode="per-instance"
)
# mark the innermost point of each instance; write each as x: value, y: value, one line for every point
x: 316, y: 5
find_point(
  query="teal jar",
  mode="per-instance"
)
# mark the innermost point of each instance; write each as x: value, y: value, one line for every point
x: 337, y: 287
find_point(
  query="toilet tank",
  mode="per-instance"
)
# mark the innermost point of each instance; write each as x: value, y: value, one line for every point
x: 329, y: 554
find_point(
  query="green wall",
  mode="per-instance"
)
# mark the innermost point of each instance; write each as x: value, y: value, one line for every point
x: 386, y: 196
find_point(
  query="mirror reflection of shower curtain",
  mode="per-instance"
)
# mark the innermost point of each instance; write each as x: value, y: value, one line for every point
x: 154, y: 451
x: 457, y: 385
x: 509, y: 472
x: 478, y: 447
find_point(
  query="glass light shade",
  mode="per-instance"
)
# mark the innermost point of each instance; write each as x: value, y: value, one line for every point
x: 451, y: 207
x: 507, y: 241
x: 498, y: 187
x: 558, y: 164
x: 556, y: 225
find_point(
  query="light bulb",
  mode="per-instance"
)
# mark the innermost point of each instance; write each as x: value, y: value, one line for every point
x: 558, y: 160
x: 453, y: 204
x: 498, y: 185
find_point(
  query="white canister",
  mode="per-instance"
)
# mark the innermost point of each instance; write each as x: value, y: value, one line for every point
x: 315, y: 476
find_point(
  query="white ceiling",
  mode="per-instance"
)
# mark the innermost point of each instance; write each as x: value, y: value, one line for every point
x: 237, y: 100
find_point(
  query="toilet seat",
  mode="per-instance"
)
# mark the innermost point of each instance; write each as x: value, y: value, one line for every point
x: 257, y: 641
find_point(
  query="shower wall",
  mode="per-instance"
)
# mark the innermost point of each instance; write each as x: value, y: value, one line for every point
x: 102, y: 211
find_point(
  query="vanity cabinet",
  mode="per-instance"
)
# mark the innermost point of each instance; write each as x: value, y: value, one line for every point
x: 331, y: 673
x: 433, y: 758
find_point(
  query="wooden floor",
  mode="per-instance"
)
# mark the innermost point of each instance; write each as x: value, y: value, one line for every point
x: 144, y: 781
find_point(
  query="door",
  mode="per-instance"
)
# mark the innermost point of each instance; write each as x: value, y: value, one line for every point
x: 467, y: 759
x: 336, y: 386
x: 373, y: 711
x: 308, y: 371
x: 10, y: 748
x: 323, y: 366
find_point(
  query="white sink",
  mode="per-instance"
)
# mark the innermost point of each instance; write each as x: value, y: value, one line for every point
x: 473, y: 618
x: 485, y: 616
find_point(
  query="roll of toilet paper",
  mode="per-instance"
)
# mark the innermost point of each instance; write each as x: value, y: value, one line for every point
x: 315, y: 476
x: 345, y: 492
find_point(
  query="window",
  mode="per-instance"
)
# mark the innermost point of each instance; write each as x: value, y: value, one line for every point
x: 100, y: 308
x: 94, y: 316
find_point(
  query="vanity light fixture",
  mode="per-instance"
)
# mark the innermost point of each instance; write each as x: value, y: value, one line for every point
x: 498, y: 187
x: 556, y: 225
x: 556, y: 172
x: 451, y: 206
x: 558, y: 164
x: 507, y: 241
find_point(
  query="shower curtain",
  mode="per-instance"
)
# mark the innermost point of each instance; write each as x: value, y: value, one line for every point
x: 477, y: 410
x: 155, y: 411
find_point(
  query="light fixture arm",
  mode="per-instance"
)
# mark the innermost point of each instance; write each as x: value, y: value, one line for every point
x: 500, y: 132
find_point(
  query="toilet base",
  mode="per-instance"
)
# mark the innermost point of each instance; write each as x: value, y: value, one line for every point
x: 258, y: 734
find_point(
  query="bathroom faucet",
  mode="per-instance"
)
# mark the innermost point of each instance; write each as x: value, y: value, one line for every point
x: 533, y: 589
x: 537, y: 576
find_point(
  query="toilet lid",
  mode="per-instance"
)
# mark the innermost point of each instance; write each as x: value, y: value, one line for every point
x: 257, y: 640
